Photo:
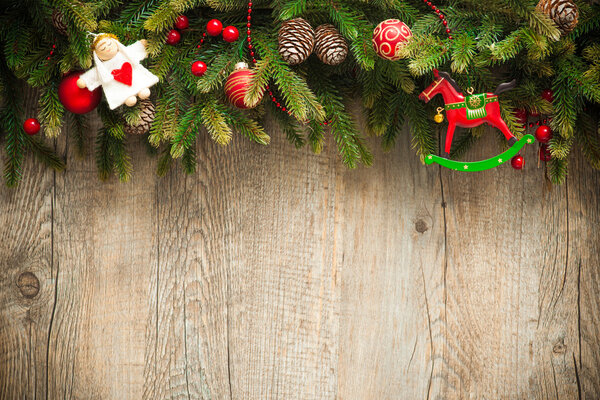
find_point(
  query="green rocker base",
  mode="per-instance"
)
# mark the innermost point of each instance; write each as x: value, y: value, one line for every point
x: 481, y: 165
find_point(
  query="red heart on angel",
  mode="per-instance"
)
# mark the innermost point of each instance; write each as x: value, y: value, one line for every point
x: 123, y: 75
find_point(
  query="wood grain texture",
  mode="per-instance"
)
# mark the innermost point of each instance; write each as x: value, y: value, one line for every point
x: 274, y: 273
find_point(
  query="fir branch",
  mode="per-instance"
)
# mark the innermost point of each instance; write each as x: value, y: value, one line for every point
x: 188, y: 161
x: 214, y: 118
x: 44, y: 153
x: 51, y: 111
x: 79, y: 127
x: 165, y: 161
x: 185, y: 136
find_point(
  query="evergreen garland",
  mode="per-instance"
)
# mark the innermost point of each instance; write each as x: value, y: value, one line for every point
x: 494, y: 41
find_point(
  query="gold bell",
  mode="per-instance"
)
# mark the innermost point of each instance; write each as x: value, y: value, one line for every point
x: 439, y: 117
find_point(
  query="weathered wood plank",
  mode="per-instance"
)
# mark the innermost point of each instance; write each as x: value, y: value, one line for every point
x: 246, y: 288
x: 26, y: 279
x: 104, y: 240
x: 509, y: 298
x: 276, y: 273
x: 390, y: 231
x: 583, y: 263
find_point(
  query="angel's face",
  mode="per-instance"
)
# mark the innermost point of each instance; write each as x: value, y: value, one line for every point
x: 106, y: 48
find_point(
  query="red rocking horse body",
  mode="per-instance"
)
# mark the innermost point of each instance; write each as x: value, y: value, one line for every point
x: 470, y: 111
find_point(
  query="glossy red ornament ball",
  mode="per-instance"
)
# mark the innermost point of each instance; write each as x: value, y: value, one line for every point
x: 173, y: 37
x: 517, y: 162
x: 214, y: 27
x: 75, y: 99
x: 548, y: 95
x: 31, y: 126
x: 231, y: 34
x: 543, y: 134
x: 389, y: 37
x: 182, y: 22
x: 545, y: 154
x: 237, y: 85
x: 198, y: 68
x: 521, y: 116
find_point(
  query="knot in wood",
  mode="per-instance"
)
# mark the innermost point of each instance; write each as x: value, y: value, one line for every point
x: 28, y: 284
x: 559, y: 348
x: 421, y: 226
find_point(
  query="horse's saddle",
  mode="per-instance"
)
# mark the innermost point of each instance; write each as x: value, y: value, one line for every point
x: 475, y: 105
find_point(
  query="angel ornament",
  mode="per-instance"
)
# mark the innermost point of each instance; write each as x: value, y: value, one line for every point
x: 118, y: 70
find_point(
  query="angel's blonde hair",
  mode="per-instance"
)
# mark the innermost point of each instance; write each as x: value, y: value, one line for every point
x: 101, y: 36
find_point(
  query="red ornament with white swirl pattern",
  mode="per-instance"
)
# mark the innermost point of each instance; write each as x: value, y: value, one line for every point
x: 389, y: 37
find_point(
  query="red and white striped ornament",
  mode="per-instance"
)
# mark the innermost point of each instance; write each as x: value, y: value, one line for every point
x: 389, y: 37
x: 237, y: 85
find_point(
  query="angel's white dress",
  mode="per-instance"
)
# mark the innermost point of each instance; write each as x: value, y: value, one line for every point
x: 116, y: 92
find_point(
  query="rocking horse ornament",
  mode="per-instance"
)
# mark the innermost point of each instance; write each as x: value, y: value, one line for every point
x: 468, y: 112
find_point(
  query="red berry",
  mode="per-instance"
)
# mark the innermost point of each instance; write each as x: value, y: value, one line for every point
x: 31, y: 126
x: 548, y: 95
x: 173, y: 37
x: 517, y: 162
x: 545, y: 154
x: 230, y: 34
x: 214, y: 27
x: 182, y: 22
x: 521, y: 116
x: 198, y: 68
x: 543, y: 134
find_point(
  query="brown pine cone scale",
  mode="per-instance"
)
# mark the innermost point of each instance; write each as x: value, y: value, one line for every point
x: 296, y: 41
x: 330, y: 45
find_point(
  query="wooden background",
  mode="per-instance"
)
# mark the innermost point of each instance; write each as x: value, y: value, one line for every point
x: 278, y: 274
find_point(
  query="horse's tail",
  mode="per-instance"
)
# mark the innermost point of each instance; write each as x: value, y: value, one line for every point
x: 505, y: 87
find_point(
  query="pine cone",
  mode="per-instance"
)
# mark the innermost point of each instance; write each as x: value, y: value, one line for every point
x: 564, y: 13
x: 58, y: 20
x: 146, y: 119
x: 330, y: 45
x: 296, y: 40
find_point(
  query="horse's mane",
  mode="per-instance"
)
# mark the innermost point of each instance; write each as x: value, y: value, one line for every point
x: 451, y: 81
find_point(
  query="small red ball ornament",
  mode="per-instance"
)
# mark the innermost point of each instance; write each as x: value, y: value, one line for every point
x: 75, y: 99
x: 231, y: 34
x: 517, y: 162
x: 31, y: 126
x: 548, y: 95
x: 389, y: 37
x: 521, y: 116
x: 182, y: 22
x: 173, y: 37
x: 545, y: 154
x: 198, y: 68
x: 543, y: 134
x: 237, y: 85
x: 214, y: 27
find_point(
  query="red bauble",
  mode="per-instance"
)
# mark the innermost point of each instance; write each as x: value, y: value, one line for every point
x: 214, y: 27
x: 521, y: 116
x: 173, y: 37
x: 389, y: 37
x: 231, y: 34
x: 76, y: 100
x: 548, y: 95
x: 31, y: 126
x: 545, y: 154
x: 182, y: 22
x: 198, y: 68
x: 543, y: 134
x: 237, y: 85
x: 517, y: 162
